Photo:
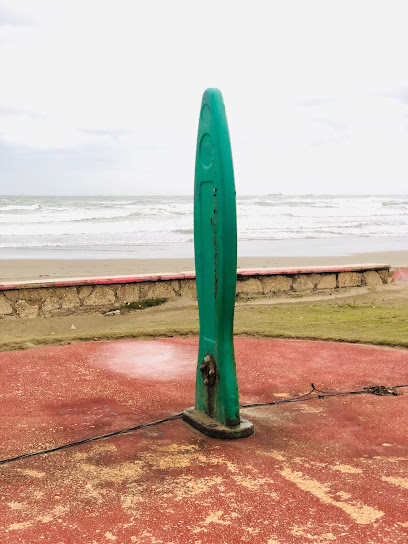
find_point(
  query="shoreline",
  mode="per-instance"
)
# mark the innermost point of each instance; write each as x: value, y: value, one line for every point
x: 40, y: 269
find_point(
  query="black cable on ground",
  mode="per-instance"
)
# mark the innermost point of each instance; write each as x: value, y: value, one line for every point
x: 374, y: 390
x: 86, y: 440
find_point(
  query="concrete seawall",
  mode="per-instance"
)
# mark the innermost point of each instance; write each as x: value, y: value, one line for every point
x: 86, y: 295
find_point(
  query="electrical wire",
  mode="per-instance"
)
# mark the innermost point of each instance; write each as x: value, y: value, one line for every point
x: 376, y: 390
x: 323, y: 394
x: 91, y: 439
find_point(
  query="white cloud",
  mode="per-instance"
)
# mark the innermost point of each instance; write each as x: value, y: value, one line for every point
x: 313, y: 89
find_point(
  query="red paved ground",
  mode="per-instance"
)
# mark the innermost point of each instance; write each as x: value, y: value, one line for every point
x: 323, y: 471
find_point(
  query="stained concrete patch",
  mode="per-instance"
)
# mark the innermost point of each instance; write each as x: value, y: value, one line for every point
x: 16, y: 505
x: 360, y: 513
x: 347, y: 469
x: 33, y: 473
x: 309, y: 535
x: 155, y: 360
x: 402, y: 482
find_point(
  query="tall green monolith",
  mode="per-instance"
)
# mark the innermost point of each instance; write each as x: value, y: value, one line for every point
x: 216, y: 411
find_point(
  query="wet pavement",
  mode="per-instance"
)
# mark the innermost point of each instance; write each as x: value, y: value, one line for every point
x: 322, y: 471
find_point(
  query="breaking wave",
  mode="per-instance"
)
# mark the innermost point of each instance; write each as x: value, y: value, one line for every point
x: 123, y: 222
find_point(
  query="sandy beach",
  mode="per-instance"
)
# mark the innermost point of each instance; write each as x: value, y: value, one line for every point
x: 32, y: 269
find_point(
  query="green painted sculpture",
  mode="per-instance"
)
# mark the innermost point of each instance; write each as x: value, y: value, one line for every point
x: 216, y: 412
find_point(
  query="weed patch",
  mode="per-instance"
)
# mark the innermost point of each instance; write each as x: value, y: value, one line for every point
x: 142, y: 304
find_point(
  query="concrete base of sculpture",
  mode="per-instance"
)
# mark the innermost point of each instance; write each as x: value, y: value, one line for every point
x: 213, y: 428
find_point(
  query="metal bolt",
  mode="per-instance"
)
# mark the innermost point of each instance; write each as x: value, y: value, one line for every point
x: 207, y: 358
x: 211, y: 372
x: 206, y: 382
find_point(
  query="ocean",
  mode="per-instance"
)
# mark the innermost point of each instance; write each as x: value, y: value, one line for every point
x: 162, y: 226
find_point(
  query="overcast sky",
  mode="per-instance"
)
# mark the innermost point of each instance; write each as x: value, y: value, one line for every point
x: 103, y: 97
